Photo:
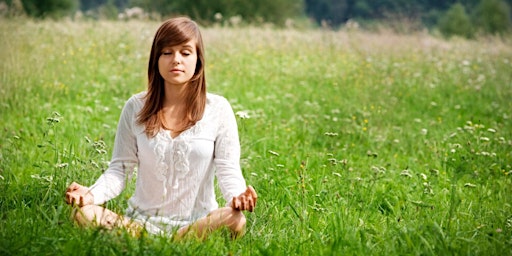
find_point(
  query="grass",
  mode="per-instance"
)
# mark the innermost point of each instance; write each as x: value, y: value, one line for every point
x: 357, y: 143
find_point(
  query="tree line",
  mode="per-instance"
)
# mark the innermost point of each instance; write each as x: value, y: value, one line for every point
x: 461, y: 17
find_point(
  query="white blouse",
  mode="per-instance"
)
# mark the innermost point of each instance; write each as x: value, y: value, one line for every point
x: 175, y: 176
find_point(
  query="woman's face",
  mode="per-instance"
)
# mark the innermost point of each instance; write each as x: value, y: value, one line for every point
x: 177, y: 64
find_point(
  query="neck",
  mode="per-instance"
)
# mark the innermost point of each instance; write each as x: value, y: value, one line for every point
x: 174, y: 95
x: 174, y: 108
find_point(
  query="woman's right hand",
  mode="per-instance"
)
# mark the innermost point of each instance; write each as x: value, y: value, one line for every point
x: 79, y: 195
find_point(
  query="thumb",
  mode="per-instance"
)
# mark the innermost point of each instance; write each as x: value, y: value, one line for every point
x: 250, y: 191
x: 73, y: 186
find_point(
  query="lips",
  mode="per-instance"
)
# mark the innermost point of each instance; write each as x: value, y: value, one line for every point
x: 175, y: 70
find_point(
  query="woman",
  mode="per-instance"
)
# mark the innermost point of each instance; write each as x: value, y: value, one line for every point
x: 179, y: 137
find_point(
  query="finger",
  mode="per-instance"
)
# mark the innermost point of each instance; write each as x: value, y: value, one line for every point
x: 67, y: 198
x: 243, y: 199
x: 242, y: 206
x: 78, y: 199
x: 240, y: 203
x: 250, y: 203
x: 251, y: 191
x: 81, y: 201
x: 253, y: 195
x: 235, y: 203
x: 74, y: 200
x: 70, y: 198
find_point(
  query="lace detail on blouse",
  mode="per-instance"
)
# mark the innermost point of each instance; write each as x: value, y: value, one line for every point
x: 174, y: 151
x: 181, y: 163
x: 161, y: 166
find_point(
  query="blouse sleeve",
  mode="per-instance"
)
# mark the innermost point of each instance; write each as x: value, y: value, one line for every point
x: 227, y: 154
x: 124, y: 158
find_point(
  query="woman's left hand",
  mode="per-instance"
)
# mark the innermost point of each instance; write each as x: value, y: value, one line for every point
x: 245, y: 201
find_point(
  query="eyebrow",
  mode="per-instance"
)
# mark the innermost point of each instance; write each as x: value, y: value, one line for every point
x: 181, y: 46
x: 187, y: 46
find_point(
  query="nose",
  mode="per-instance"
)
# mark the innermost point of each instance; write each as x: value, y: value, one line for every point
x: 176, y: 59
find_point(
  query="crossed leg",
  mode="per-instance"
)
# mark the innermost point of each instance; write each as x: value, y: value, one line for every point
x: 228, y: 217
x: 98, y: 216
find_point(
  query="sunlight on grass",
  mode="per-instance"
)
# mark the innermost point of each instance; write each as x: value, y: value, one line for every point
x: 357, y: 143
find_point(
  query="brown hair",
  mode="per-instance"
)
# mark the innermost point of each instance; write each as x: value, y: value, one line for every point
x: 174, y: 32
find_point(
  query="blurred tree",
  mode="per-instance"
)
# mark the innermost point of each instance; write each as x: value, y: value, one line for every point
x: 86, y: 5
x: 333, y: 12
x: 493, y: 16
x: 275, y: 11
x: 456, y: 21
x: 337, y: 12
x: 429, y: 12
x: 361, y: 9
x: 49, y: 8
x: 14, y: 8
x: 108, y: 10
x: 162, y: 7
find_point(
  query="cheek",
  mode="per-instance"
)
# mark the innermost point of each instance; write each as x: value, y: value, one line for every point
x: 161, y: 65
x: 194, y: 64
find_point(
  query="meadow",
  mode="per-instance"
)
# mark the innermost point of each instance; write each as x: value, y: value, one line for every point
x: 357, y: 143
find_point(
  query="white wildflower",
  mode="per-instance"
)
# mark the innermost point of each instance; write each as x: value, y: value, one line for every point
x: 61, y: 165
x: 243, y: 114
x: 406, y: 173
x: 484, y: 139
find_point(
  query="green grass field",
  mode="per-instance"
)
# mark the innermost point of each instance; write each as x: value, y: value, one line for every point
x: 357, y: 143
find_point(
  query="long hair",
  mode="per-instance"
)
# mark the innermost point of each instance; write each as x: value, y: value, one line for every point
x: 174, y: 32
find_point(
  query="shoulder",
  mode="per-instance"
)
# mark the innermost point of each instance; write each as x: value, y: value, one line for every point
x: 136, y: 101
x: 217, y: 101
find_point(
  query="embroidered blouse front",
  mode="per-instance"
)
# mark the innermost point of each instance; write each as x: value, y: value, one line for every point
x: 175, y: 176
